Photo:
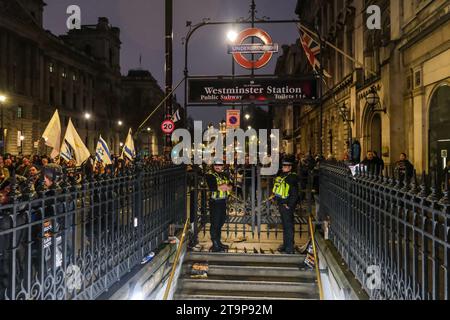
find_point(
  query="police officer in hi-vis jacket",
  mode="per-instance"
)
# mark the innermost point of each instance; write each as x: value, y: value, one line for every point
x: 285, y: 191
x: 219, y: 184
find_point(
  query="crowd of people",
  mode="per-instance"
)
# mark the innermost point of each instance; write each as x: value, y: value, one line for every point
x: 37, y: 171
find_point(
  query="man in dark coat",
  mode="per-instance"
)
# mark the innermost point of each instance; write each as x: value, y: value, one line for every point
x: 285, y: 191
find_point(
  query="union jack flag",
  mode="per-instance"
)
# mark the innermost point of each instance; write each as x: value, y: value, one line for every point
x: 312, y: 49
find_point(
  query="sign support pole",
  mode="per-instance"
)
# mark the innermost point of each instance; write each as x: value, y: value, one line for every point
x: 168, y: 67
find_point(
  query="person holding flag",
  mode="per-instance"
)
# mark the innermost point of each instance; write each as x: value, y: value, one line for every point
x: 52, y: 135
x: 102, y: 153
x: 73, y: 147
x: 128, y: 148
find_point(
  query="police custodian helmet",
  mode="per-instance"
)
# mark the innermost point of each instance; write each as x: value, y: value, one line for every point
x: 288, y: 160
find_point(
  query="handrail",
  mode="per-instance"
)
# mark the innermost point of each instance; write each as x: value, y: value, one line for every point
x: 177, y: 256
x: 316, y: 259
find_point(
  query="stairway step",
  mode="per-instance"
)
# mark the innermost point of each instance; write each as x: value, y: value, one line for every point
x: 242, y: 295
x: 268, y: 287
x: 271, y: 272
x: 233, y: 297
x: 245, y: 259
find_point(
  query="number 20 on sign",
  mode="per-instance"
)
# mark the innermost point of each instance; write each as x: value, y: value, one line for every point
x: 167, y: 126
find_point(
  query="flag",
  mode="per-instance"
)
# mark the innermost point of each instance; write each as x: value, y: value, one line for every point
x: 52, y: 134
x: 128, y: 148
x: 176, y: 116
x: 102, y: 153
x: 73, y: 147
x: 312, y: 49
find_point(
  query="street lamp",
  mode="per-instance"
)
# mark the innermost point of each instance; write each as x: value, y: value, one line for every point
x: 232, y: 35
x: 120, y: 122
x: 21, y: 143
x: 87, y: 116
x: 247, y: 116
x: 373, y: 100
x: 2, y: 133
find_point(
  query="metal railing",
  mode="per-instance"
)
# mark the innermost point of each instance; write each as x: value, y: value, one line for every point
x: 316, y: 257
x: 75, y: 240
x: 393, y: 234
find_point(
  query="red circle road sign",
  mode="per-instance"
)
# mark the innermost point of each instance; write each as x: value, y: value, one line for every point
x: 168, y: 126
x: 264, y: 59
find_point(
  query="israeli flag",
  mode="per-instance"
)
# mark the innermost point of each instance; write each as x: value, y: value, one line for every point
x: 128, y: 149
x: 102, y: 153
x: 176, y: 116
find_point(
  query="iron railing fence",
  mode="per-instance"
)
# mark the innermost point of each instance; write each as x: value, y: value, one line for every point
x: 393, y: 234
x: 75, y: 240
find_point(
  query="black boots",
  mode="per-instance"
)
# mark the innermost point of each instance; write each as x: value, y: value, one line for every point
x: 282, y: 249
x: 223, y: 246
x: 216, y: 246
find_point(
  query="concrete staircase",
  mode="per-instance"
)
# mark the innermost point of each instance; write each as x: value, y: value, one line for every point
x: 247, y: 276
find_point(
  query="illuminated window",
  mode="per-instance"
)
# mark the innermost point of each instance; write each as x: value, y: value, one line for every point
x: 19, y: 112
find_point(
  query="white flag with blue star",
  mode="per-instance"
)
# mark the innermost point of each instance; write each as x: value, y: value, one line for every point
x: 102, y: 153
x: 128, y: 149
x: 73, y: 147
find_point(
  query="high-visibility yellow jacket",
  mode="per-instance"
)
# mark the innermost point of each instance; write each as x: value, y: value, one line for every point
x: 220, y: 179
x: 282, y: 187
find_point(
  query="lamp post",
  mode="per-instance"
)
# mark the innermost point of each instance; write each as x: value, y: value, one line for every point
x: 87, y: 116
x: 2, y: 133
x: 149, y: 131
x: 22, y: 138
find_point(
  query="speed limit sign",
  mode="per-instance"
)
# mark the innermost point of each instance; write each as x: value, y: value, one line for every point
x: 168, y: 126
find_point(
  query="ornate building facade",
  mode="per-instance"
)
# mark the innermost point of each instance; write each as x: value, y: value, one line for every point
x: 141, y: 94
x: 406, y: 64
x: 77, y: 73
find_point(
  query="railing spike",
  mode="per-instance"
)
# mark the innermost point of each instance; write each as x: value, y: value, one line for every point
x: 414, y: 186
x: 434, y: 195
x: 423, y: 186
x: 445, y: 200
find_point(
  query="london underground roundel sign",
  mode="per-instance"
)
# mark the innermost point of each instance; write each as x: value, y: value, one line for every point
x: 266, y: 48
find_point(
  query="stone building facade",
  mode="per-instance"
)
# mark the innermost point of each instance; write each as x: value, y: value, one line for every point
x: 76, y: 73
x: 409, y: 63
x: 141, y: 94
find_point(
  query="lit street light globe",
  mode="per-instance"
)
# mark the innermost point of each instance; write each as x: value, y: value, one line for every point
x: 119, y: 122
x: 87, y: 116
x: 247, y: 116
x: 2, y: 98
x: 232, y: 35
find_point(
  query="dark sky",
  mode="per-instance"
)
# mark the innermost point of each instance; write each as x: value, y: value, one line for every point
x: 142, y: 32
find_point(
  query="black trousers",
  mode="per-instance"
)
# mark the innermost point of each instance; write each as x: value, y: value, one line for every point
x: 218, y: 215
x: 287, y: 219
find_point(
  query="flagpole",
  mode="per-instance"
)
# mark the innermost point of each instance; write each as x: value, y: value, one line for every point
x: 309, y: 32
x: 320, y: 89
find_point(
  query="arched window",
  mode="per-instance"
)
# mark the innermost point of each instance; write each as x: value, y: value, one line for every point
x: 439, y: 134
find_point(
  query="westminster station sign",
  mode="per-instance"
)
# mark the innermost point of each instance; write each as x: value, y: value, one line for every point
x: 213, y: 91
